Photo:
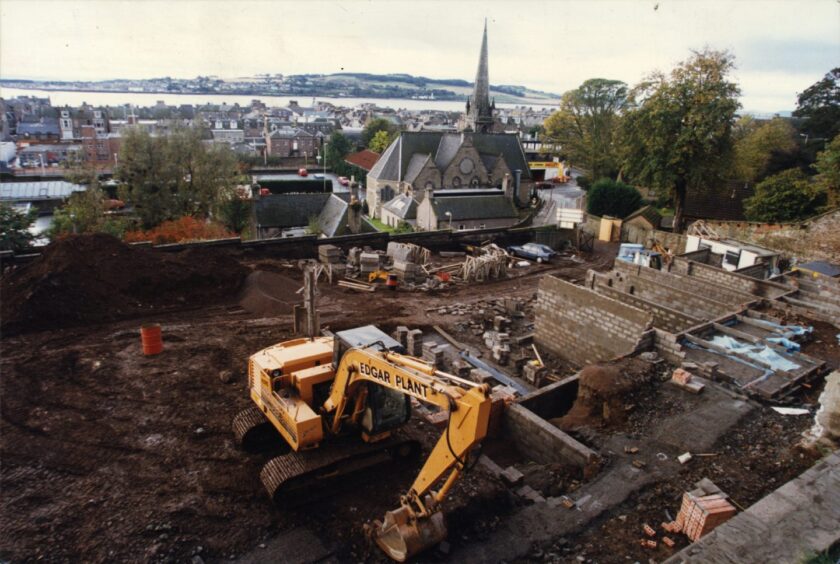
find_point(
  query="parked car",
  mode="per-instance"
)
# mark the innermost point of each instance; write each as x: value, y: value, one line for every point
x: 344, y: 181
x: 303, y: 172
x: 533, y: 251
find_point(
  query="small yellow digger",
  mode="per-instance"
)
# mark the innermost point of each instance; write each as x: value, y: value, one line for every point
x: 339, y: 402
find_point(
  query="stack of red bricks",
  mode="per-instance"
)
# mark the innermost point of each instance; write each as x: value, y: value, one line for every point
x: 681, y: 376
x: 700, y: 514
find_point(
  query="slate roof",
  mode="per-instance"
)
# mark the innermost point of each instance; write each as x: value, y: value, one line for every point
x: 395, y: 160
x: 333, y: 217
x: 289, y: 132
x: 363, y: 159
x: 288, y: 210
x: 416, y: 164
x: 402, y: 206
x: 481, y: 206
x: 648, y: 213
x: 48, y: 127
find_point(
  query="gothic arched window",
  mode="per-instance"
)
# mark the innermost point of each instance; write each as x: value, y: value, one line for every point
x: 456, y: 181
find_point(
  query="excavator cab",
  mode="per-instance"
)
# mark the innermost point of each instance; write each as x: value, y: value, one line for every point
x: 385, y: 409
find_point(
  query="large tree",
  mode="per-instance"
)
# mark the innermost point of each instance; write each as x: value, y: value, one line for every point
x: 338, y: 146
x: 678, y: 133
x: 758, y: 145
x: 820, y: 106
x: 172, y: 176
x: 586, y: 125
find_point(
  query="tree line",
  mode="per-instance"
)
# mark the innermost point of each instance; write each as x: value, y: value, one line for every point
x: 680, y: 134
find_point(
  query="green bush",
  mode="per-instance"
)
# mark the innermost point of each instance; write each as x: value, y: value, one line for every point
x: 616, y: 199
x: 787, y: 196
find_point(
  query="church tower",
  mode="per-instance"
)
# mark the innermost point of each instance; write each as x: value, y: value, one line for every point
x: 479, y: 116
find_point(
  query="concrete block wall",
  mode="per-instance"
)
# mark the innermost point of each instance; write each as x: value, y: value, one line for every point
x: 663, y: 317
x: 687, y: 284
x: 584, y: 327
x: 542, y: 442
x: 668, y: 347
x: 757, y: 271
x: 724, y: 279
x: 669, y: 293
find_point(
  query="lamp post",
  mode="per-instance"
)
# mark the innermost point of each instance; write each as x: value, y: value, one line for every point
x: 449, y: 215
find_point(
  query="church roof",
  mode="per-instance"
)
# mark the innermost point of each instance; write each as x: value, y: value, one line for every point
x: 395, y: 161
x: 415, y: 165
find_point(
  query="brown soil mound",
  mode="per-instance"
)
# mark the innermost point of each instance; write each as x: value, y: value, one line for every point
x: 94, y: 278
x: 270, y: 293
x: 602, y: 391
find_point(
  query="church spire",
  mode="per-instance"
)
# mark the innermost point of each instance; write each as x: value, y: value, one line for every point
x: 479, y: 110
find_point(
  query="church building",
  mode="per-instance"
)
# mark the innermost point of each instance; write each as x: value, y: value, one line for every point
x: 419, y: 163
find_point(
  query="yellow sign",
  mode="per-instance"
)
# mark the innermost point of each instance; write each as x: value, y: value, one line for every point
x: 539, y: 164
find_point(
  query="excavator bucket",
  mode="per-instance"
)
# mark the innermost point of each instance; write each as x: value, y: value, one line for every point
x: 403, y: 534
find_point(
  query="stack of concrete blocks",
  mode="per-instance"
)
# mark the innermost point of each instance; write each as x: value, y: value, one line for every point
x: 414, y: 342
x: 409, y: 272
x: 368, y: 262
x: 434, y: 353
x: 533, y: 372
x: 500, y: 397
x: 481, y: 376
x: 401, y: 336
x: 329, y: 254
x: 499, y: 345
x: 461, y: 369
x: 500, y: 323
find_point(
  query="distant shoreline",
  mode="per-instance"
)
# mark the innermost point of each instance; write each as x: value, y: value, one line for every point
x: 12, y: 84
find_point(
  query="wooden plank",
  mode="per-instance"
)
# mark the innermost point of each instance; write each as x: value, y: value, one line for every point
x: 449, y: 338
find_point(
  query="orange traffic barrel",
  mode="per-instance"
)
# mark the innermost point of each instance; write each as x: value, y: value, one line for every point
x: 391, y: 282
x: 152, y: 339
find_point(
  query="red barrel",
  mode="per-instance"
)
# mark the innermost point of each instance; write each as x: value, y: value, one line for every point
x: 152, y: 339
x: 391, y: 282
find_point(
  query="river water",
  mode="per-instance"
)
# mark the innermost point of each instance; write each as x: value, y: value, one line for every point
x: 76, y: 98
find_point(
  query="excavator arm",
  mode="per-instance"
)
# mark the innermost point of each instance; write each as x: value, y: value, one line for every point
x: 418, y: 523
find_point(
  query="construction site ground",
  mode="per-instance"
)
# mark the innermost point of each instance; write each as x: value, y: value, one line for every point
x: 108, y: 455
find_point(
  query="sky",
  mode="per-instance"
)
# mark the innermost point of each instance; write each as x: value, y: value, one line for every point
x: 781, y: 47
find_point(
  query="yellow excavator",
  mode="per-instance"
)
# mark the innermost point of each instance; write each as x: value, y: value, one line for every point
x: 341, y: 403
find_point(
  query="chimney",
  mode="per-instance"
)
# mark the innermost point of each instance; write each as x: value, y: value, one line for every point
x: 507, y: 187
x: 354, y: 216
x: 517, y: 175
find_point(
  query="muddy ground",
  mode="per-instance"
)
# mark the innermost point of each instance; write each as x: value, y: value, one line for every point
x: 108, y: 455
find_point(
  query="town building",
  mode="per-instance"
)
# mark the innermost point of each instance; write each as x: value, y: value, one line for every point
x: 418, y: 161
x: 401, y: 209
x: 462, y: 210
x: 291, y: 142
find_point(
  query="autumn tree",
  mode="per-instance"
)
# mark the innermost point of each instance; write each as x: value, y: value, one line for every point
x: 587, y: 123
x: 757, y: 145
x: 380, y: 142
x: 376, y: 125
x: 819, y: 105
x: 677, y: 134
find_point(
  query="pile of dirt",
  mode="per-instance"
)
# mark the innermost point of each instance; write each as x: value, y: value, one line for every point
x: 94, y: 278
x: 603, y: 394
x: 270, y: 293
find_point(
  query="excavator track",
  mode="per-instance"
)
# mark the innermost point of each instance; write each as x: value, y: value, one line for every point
x: 255, y: 433
x: 299, y: 477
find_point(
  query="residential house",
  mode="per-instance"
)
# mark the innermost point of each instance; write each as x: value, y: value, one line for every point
x: 289, y: 215
x: 291, y: 142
